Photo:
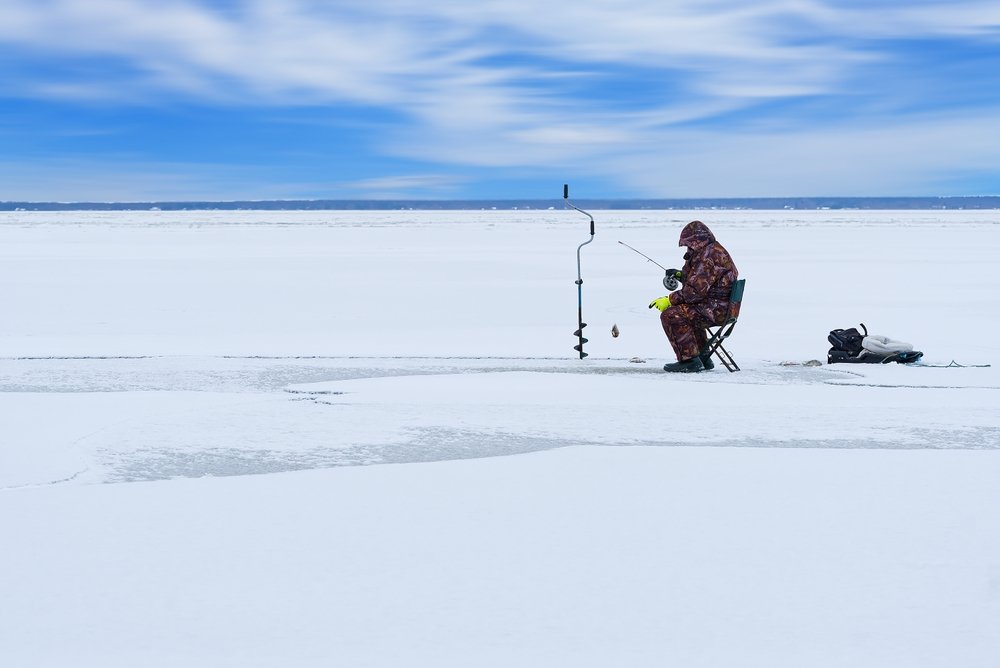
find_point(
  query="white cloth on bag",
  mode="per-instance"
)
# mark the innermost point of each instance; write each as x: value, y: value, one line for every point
x: 883, y: 345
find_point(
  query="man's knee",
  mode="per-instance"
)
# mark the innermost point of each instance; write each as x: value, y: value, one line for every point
x: 677, y: 314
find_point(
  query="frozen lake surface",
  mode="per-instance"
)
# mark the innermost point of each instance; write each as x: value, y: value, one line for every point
x: 195, y: 416
x: 362, y: 438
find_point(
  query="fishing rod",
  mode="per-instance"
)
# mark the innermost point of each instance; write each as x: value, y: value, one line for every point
x: 670, y: 275
x: 579, y: 278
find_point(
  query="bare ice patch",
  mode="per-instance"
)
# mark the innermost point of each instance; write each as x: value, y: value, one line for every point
x: 227, y: 417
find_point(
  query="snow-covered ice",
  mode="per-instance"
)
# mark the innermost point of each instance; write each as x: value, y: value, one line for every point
x: 362, y: 438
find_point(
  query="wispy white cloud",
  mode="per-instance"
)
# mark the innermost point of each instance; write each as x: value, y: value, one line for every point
x: 491, y: 83
x: 391, y: 52
x: 130, y: 179
x: 917, y: 156
x: 434, y: 186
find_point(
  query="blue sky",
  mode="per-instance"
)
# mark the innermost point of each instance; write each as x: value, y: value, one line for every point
x: 134, y: 100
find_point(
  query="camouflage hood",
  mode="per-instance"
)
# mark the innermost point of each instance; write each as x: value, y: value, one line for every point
x: 696, y: 235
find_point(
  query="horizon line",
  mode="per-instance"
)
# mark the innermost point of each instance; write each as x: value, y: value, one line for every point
x: 756, y: 202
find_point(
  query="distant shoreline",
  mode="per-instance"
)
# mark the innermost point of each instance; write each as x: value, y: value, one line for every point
x: 747, y: 203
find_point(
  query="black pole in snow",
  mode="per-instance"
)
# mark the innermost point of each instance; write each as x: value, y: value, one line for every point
x: 579, y: 278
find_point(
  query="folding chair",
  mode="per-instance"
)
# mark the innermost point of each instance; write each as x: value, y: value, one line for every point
x: 715, y: 339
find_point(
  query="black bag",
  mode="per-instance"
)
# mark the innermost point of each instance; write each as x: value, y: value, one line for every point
x: 848, y: 347
x: 847, y: 340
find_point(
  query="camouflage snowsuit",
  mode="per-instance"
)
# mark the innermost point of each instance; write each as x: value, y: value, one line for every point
x: 703, y: 300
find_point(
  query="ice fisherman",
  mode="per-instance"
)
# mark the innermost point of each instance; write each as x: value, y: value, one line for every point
x: 703, y: 300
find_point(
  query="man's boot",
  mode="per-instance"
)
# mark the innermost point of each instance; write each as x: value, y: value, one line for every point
x: 692, y: 365
x: 706, y: 361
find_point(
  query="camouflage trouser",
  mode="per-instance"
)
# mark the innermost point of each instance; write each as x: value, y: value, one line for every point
x: 685, y: 328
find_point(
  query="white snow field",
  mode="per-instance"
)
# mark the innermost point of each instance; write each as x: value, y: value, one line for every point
x: 362, y: 439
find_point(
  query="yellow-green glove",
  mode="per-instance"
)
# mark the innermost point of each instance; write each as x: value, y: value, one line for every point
x: 663, y: 303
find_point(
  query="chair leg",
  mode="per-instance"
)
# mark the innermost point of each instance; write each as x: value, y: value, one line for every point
x: 726, y: 358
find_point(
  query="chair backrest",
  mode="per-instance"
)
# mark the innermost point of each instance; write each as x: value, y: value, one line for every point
x: 736, y: 298
x: 736, y: 294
